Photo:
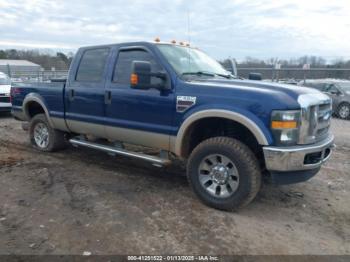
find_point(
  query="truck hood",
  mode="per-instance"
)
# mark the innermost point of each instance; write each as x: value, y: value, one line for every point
x: 5, y: 89
x: 282, y: 96
x: 256, y: 94
x: 290, y: 90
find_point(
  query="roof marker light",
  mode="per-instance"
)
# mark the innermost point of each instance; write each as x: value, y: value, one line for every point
x: 157, y: 40
x: 173, y: 42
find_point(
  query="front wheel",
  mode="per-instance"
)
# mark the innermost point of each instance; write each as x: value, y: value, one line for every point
x: 43, y: 136
x: 344, y: 111
x: 224, y: 173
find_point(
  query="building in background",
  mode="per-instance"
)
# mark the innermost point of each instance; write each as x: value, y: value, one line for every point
x: 15, y: 67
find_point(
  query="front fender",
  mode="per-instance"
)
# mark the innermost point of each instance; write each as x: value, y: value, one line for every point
x: 246, y: 118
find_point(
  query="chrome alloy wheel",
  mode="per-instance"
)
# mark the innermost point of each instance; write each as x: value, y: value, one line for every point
x: 41, y: 135
x: 344, y: 111
x: 218, y: 175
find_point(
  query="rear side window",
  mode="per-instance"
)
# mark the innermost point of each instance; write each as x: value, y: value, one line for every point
x: 92, y: 65
x: 125, y: 58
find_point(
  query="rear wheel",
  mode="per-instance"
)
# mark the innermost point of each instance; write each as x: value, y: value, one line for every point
x: 343, y: 111
x: 43, y: 136
x: 224, y: 173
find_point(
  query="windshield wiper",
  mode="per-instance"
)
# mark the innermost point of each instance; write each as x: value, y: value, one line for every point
x: 226, y: 76
x: 198, y: 73
x: 205, y: 73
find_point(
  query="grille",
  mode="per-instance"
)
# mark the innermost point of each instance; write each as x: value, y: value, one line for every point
x: 4, y: 99
x: 320, y: 120
x: 316, y: 112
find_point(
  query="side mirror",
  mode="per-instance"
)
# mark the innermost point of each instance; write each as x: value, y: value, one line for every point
x: 141, y: 76
x: 255, y: 76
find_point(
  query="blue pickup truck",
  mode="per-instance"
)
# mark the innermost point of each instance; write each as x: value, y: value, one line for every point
x: 231, y: 133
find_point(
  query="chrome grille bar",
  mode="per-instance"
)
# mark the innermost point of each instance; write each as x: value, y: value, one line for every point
x: 316, y: 117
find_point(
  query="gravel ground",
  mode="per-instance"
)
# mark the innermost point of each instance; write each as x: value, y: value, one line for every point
x: 80, y: 200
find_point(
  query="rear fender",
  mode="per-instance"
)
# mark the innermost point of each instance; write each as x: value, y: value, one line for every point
x: 33, y: 97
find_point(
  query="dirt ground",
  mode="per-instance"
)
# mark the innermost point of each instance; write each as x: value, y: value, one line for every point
x: 80, y: 200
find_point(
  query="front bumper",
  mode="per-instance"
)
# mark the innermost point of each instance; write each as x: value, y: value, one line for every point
x: 298, y: 158
x: 5, y: 107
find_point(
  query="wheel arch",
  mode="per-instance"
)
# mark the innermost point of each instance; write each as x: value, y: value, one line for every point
x: 243, y: 120
x: 346, y: 102
x: 35, y: 99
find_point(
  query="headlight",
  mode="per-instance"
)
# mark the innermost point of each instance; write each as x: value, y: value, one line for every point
x: 285, y: 126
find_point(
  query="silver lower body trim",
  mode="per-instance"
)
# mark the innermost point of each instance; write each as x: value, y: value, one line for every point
x: 126, y: 135
x: 114, y: 150
x: 59, y: 123
x: 295, y: 158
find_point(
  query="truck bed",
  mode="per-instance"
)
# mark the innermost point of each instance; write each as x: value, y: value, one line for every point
x: 52, y: 95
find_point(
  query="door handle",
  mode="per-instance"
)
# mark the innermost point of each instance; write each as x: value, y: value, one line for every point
x: 71, y: 94
x: 108, y: 97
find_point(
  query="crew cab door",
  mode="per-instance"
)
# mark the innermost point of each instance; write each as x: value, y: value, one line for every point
x: 85, y: 93
x: 137, y: 116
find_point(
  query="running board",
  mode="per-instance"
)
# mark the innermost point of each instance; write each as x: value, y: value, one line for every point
x: 157, y: 161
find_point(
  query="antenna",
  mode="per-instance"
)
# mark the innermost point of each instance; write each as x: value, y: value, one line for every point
x: 188, y: 25
x: 189, y: 38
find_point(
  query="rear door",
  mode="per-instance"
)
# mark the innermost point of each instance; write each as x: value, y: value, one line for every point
x: 138, y: 116
x: 85, y: 93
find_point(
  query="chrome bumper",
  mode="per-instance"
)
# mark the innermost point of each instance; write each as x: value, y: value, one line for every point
x: 5, y: 108
x: 301, y: 157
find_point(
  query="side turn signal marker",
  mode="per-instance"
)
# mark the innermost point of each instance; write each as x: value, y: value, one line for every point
x: 284, y: 124
x: 134, y: 79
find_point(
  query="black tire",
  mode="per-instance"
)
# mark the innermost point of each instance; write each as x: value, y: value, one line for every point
x: 245, y: 163
x: 341, y: 107
x: 56, y: 139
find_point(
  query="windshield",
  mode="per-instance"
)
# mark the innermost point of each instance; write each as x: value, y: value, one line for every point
x: 187, y: 61
x: 4, y: 80
x: 345, y: 86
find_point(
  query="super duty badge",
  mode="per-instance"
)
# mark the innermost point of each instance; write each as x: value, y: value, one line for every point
x: 184, y: 102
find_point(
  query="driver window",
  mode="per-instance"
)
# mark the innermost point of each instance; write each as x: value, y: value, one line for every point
x: 122, y: 70
x: 331, y: 89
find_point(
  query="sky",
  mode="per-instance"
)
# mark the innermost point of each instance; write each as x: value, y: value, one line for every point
x: 228, y: 28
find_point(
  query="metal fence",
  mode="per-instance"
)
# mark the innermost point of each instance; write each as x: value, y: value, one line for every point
x: 295, y: 73
x: 267, y: 73
x: 37, y: 76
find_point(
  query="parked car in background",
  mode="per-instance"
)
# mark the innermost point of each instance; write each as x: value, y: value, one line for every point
x: 290, y: 81
x: 5, y: 87
x: 338, y: 90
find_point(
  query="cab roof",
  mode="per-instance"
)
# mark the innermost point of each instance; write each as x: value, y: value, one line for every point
x: 136, y: 43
